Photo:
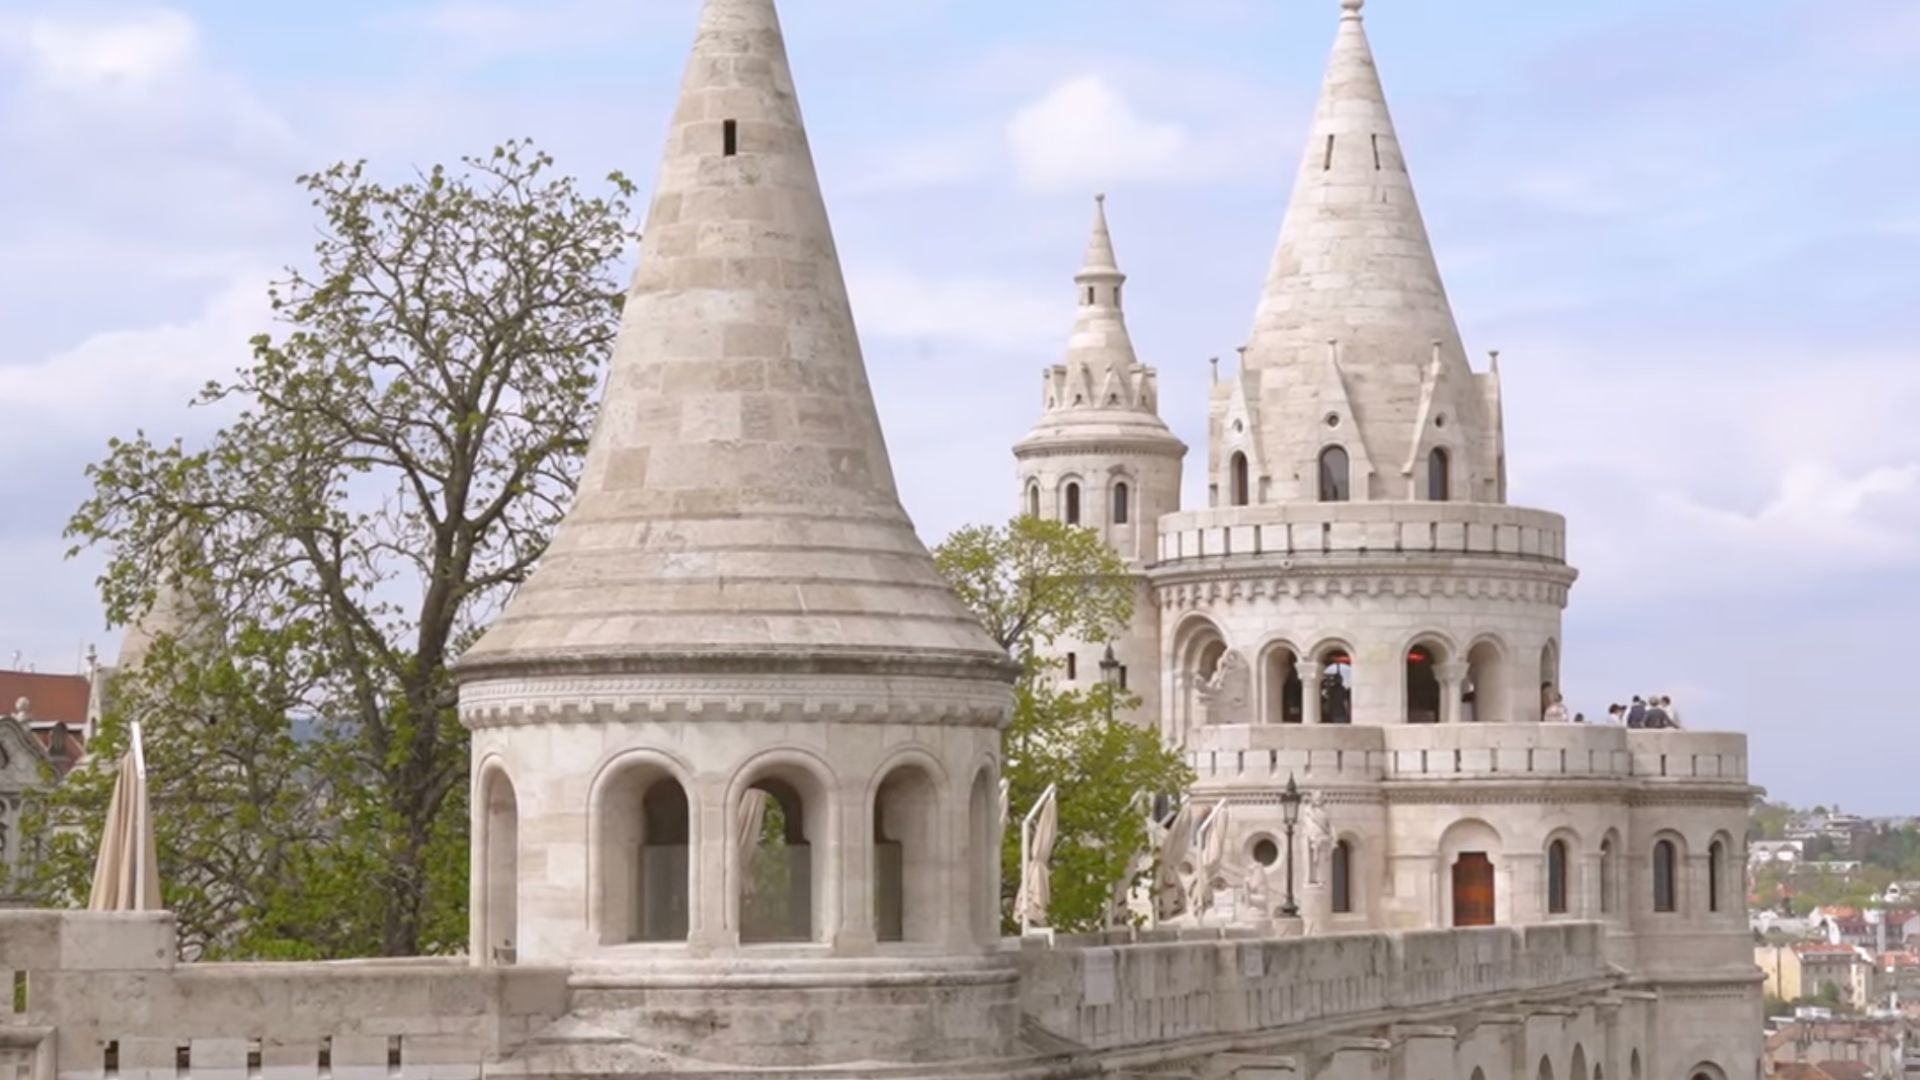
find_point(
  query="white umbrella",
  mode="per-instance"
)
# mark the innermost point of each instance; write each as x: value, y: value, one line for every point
x: 127, y: 875
x: 1036, y: 842
x: 1170, y: 898
x: 753, y: 815
x: 1213, y: 858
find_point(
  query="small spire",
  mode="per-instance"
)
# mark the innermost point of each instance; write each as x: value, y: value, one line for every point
x: 1494, y: 355
x: 1101, y: 262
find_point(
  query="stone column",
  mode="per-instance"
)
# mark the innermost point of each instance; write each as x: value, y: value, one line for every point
x: 1453, y: 675
x: 1309, y: 672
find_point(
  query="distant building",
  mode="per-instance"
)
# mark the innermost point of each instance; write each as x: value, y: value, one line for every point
x: 1762, y: 853
x: 1847, y: 969
x: 1839, y: 1049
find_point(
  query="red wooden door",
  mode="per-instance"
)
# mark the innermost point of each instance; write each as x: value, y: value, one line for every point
x: 1473, y: 890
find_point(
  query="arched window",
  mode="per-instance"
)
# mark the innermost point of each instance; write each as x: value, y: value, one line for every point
x: 1664, y: 899
x: 1716, y: 863
x: 1439, y: 479
x: 1033, y: 500
x: 1423, y: 686
x: 1282, y: 682
x: 643, y: 857
x: 1606, y: 876
x: 1122, y: 504
x: 781, y: 874
x: 1241, y: 489
x: 1557, y: 878
x: 983, y: 851
x: 499, y: 917
x: 1484, y: 697
x: 1336, y: 686
x: 1336, y: 475
x: 1342, y: 878
x: 906, y: 885
x: 1073, y: 504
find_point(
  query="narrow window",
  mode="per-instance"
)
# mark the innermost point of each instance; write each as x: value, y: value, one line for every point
x: 731, y: 137
x: 1241, y: 489
x: 1716, y: 856
x: 1033, y: 500
x: 1664, y: 900
x: 1328, y: 165
x: 1073, y: 666
x: 325, y: 1062
x: 253, y: 1059
x: 1121, y: 510
x: 393, y: 1055
x: 110, y: 1062
x: 1557, y: 878
x: 1073, y: 504
x: 1342, y: 878
x: 1336, y: 480
x: 1606, y: 877
x: 1376, y: 153
x: 183, y: 1061
x: 1439, y: 482
x: 1123, y: 676
x: 1089, y: 296
x: 19, y: 991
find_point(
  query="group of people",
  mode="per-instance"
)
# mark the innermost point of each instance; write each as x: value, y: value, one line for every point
x: 1653, y: 711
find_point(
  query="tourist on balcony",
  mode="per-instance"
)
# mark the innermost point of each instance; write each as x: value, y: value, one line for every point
x: 1557, y: 709
x: 1657, y: 717
x: 1637, y: 715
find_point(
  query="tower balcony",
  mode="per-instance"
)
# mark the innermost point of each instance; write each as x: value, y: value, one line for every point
x: 1299, y: 532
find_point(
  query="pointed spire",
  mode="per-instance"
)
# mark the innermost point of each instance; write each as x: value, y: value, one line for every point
x: 1101, y: 350
x: 1354, y: 263
x: 737, y: 499
x: 1100, y: 264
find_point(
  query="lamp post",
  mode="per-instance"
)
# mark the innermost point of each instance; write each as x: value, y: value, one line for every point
x: 1290, y: 811
x: 1110, y: 678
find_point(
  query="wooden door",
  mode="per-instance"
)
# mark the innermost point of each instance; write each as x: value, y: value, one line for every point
x: 1473, y: 890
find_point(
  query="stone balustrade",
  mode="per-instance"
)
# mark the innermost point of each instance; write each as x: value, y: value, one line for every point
x: 1318, y: 530
x: 1269, y: 753
x: 1156, y: 992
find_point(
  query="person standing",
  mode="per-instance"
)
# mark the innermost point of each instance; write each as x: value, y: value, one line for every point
x: 1673, y: 714
x: 1616, y: 714
x: 1657, y: 717
x: 1557, y: 710
x: 1637, y: 715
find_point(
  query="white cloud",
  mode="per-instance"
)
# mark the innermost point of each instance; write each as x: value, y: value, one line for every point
x: 142, y: 376
x: 1085, y: 134
x: 129, y: 50
x: 989, y: 313
x: 1823, y: 512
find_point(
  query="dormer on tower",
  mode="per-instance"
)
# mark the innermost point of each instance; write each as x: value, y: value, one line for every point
x: 1354, y: 267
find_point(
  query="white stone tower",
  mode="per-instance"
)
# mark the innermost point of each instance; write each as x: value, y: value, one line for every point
x: 736, y: 733
x: 1101, y: 458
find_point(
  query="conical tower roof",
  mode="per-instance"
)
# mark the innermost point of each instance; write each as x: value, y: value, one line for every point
x: 1354, y: 266
x: 737, y: 506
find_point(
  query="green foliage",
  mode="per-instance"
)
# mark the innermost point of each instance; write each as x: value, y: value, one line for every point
x: 395, y: 461
x: 1033, y: 583
x: 1769, y: 821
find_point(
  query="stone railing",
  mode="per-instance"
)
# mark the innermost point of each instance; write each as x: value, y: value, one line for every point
x: 1318, y: 530
x: 100, y: 996
x: 1113, y: 996
x: 1267, y: 754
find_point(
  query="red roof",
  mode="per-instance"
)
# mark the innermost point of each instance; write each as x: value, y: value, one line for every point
x: 49, y: 697
x: 1900, y: 959
x: 1901, y: 917
x: 1821, y: 948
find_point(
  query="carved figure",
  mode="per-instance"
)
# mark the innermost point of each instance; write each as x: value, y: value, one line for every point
x: 1319, y: 827
x: 1228, y: 692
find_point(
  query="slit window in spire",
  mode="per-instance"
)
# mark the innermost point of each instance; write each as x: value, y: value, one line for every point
x: 1327, y: 166
x: 1241, y: 490
x: 1439, y: 483
x: 1376, y: 153
x: 731, y: 137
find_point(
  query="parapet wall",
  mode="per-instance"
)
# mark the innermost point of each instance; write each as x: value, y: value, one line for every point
x: 1314, y: 530
x: 1109, y: 997
x: 103, y: 997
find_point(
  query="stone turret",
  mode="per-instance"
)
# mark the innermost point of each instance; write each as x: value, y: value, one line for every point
x: 1354, y: 346
x: 736, y: 727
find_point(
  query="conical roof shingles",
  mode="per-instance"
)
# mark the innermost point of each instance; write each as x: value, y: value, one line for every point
x: 737, y: 499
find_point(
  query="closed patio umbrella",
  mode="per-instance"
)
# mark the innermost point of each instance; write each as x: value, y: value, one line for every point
x: 127, y: 875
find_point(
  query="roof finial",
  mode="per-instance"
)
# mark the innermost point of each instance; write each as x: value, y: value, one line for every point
x: 1352, y: 8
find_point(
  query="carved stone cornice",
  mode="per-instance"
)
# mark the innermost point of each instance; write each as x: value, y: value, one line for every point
x: 717, y: 698
x: 1187, y: 587
x: 1055, y: 446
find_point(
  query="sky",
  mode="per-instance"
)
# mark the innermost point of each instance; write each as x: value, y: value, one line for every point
x: 1692, y: 230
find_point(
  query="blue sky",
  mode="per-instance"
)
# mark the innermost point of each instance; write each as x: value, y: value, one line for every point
x: 1693, y: 230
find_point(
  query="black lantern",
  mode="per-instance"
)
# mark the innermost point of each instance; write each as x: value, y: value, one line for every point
x: 1110, y: 678
x: 1290, y: 811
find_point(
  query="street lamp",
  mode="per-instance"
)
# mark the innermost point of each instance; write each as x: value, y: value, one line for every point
x: 1290, y: 811
x: 1110, y: 677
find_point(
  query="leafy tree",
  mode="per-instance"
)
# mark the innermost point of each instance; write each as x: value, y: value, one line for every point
x: 1033, y: 583
x: 398, y: 456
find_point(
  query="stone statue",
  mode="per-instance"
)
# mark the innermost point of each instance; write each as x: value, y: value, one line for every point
x: 1319, y: 828
x: 1228, y: 692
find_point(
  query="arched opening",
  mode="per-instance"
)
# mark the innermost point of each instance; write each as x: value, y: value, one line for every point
x: 1609, y: 853
x: 1197, y: 652
x: 1072, y: 503
x: 1706, y: 1070
x: 1033, y: 500
x: 1557, y: 887
x: 1578, y: 1069
x: 1336, y: 685
x: 1439, y: 476
x: 1342, y: 878
x: 1716, y: 865
x: 783, y: 874
x: 983, y: 855
x: 1545, y: 1072
x: 907, y: 884
x: 1473, y: 889
x: 1484, y: 697
x: 1468, y: 875
x: 1284, y: 703
x: 1336, y: 475
x: 1423, y: 685
x: 1549, y: 675
x: 1665, y: 895
x: 1633, y: 1066
x: 1122, y: 503
x: 1238, y: 482
x: 500, y: 919
x: 643, y: 861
